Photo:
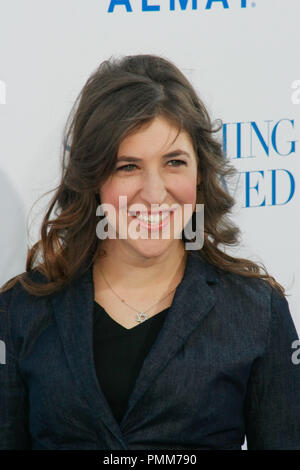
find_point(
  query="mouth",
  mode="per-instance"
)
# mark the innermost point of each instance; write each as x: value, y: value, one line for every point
x: 153, y: 221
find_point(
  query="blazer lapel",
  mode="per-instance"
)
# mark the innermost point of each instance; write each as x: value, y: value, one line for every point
x: 192, y: 301
x: 74, y: 306
x: 73, y: 309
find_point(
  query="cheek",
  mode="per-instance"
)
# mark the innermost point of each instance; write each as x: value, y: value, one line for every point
x: 112, y: 194
x: 186, y: 192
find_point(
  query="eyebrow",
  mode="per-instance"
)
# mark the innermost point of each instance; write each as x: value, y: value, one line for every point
x: 174, y: 153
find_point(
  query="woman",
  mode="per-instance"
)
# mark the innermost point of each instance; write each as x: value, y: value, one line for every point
x: 132, y: 342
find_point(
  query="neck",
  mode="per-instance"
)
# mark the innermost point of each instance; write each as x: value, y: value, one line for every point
x: 129, y: 272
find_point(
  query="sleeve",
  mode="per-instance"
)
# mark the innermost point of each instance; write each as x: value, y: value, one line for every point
x: 14, y: 408
x: 272, y: 405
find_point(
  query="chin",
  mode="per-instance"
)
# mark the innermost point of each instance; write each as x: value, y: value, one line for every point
x: 150, y: 248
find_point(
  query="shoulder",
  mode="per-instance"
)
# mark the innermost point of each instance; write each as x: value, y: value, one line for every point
x: 251, y: 289
x: 255, y: 299
x: 254, y: 307
x: 22, y: 305
x: 237, y: 285
x: 22, y: 313
x: 17, y: 292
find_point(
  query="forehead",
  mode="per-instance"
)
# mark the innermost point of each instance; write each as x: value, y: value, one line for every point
x: 156, y: 137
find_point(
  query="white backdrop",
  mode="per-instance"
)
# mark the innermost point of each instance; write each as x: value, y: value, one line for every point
x: 242, y: 57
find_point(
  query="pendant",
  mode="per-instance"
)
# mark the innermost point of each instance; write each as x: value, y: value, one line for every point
x: 140, y: 315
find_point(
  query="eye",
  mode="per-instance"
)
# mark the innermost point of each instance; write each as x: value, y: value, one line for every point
x: 125, y: 166
x: 181, y: 162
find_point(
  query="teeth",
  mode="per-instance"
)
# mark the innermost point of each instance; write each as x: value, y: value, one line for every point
x: 152, y: 219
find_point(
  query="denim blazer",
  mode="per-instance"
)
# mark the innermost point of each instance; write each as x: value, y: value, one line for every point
x: 220, y: 370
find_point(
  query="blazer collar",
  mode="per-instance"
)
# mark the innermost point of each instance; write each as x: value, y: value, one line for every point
x: 74, y: 308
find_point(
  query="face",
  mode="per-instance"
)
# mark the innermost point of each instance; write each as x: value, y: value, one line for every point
x: 152, y: 181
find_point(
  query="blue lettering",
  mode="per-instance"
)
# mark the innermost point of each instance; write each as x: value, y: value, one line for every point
x: 248, y: 188
x: 273, y: 188
x: 238, y: 140
x: 292, y: 184
x: 260, y: 137
x: 225, y: 139
x: 274, y: 139
x: 267, y: 141
x: 183, y: 4
x: 113, y: 3
x: 210, y: 2
x: 146, y: 7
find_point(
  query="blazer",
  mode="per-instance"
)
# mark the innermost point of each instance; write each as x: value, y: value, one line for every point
x: 220, y: 370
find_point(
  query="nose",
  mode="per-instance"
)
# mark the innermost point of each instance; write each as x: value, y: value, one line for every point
x: 153, y: 189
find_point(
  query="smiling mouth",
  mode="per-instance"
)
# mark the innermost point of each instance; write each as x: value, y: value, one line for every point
x: 161, y: 220
x: 151, y: 218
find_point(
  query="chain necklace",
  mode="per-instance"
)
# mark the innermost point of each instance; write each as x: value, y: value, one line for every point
x: 140, y: 316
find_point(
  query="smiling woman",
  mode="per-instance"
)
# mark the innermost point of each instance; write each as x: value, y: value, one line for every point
x: 137, y: 342
x: 139, y: 109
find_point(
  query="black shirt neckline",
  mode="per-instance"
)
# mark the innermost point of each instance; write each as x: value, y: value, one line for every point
x: 114, y: 323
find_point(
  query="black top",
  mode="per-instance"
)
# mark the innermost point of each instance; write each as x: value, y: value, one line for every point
x: 119, y: 354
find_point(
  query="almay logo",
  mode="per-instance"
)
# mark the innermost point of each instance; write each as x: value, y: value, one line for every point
x: 177, y: 4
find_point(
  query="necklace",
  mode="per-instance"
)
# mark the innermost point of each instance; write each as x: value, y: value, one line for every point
x: 140, y: 316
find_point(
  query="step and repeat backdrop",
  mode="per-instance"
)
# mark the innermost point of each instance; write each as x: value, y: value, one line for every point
x: 242, y: 57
